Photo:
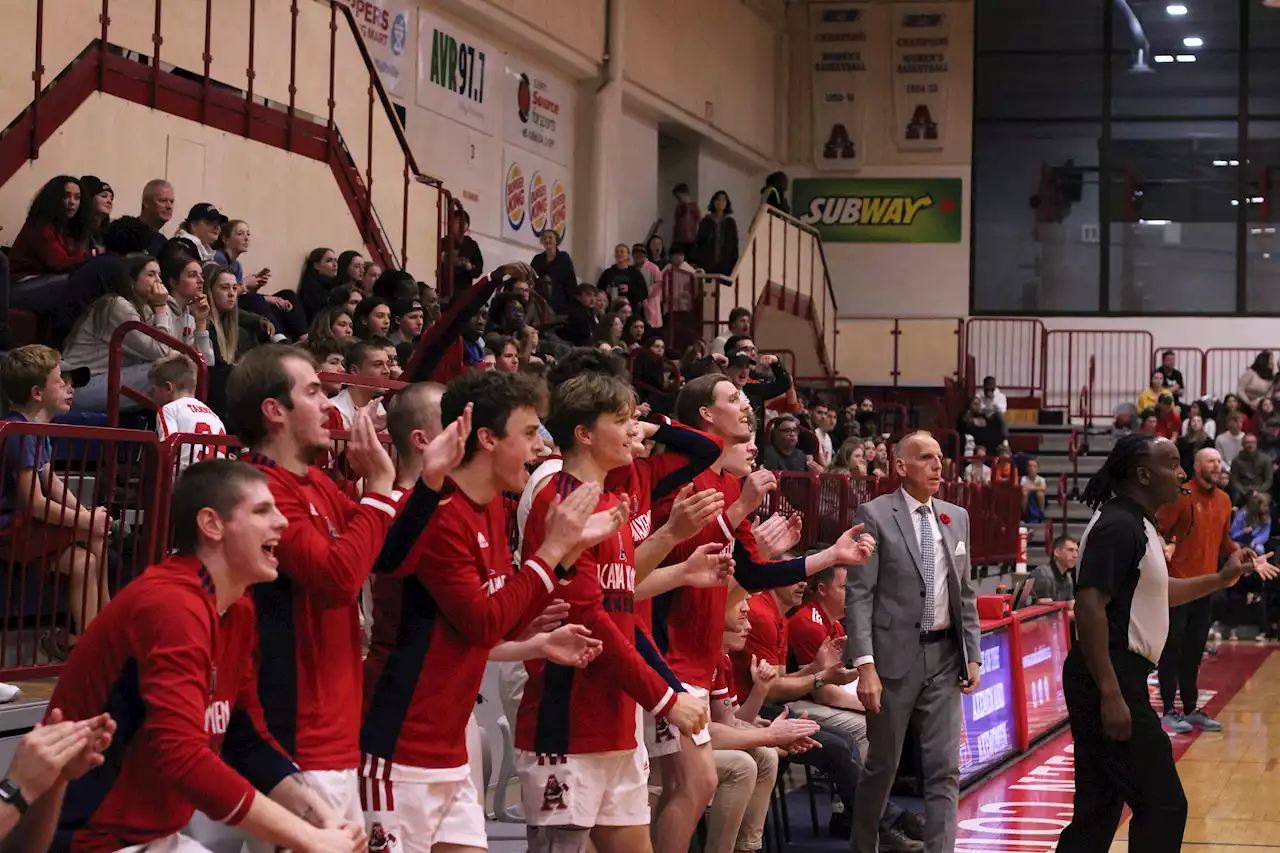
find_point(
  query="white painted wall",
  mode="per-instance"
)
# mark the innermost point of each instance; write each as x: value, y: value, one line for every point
x: 632, y: 201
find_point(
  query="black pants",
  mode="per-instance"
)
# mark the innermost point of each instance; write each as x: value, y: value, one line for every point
x: 1138, y: 772
x: 1180, y: 663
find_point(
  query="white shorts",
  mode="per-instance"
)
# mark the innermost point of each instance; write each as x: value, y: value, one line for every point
x: 661, y: 738
x: 169, y: 844
x: 340, y: 790
x: 421, y: 808
x: 596, y: 789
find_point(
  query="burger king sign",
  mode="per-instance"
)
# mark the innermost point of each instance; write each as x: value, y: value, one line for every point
x: 515, y: 196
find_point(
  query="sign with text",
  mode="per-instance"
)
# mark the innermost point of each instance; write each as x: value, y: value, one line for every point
x: 537, y: 110
x: 921, y: 73
x: 1044, y: 648
x: 987, y: 734
x: 535, y: 197
x: 838, y: 47
x: 458, y: 73
x: 880, y: 210
x: 388, y: 29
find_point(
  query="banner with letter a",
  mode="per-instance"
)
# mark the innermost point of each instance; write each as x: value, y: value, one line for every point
x: 921, y: 66
x: 838, y: 46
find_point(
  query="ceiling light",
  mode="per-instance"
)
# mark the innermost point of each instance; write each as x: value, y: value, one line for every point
x: 1153, y: 221
x: 1163, y: 57
x: 1193, y: 41
x: 1186, y: 57
x: 1234, y: 163
x: 1176, y: 10
x: 1220, y: 162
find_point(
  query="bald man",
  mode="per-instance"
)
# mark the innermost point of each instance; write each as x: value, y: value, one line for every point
x: 1198, y: 528
x: 912, y: 623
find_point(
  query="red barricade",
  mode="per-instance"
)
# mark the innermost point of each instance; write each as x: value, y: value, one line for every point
x: 1122, y: 368
x: 1009, y: 348
x: 98, y: 532
x: 1223, y: 366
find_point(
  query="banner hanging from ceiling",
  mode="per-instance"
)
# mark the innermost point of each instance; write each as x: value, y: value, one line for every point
x: 921, y: 73
x: 838, y: 48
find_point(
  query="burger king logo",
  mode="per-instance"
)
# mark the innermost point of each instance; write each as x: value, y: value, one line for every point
x: 515, y: 196
x: 559, y: 209
x: 539, y: 204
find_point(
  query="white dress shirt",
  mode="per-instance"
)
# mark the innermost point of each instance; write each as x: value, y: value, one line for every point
x: 941, y: 592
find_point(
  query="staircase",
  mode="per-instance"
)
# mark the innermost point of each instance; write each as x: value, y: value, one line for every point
x: 1068, y: 456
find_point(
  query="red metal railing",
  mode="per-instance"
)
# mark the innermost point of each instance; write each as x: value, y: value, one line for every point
x: 1121, y: 359
x: 1010, y: 349
x: 115, y: 363
x: 1190, y: 361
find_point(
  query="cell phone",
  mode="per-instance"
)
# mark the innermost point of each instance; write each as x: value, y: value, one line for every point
x: 265, y: 271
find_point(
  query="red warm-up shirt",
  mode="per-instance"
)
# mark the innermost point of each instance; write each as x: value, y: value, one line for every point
x: 807, y: 629
x: 459, y: 598
x: 309, y: 618
x: 767, y: 639
x: 181, y: 683
x: 570, y: 711
x: 722, y: 687
x: 42, y: 250
x: 688, y: 623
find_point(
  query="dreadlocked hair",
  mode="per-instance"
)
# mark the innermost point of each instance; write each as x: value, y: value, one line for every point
x: 1120, y: 465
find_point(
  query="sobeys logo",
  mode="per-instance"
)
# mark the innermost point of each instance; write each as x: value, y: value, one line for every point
x: 881, y: 210
x: 515, y: 196
x: 539, y: 204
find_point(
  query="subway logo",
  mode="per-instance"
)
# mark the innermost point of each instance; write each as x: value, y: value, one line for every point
x: 866, y: 210
x: 881, y: 210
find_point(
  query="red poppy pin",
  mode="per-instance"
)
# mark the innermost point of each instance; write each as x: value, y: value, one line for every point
x: 944, y: 518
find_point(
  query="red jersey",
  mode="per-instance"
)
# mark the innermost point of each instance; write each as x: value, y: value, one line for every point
x: 181, y: 683
x: 807, y: 630
x: 767, y: 640
x: 309, y: 618
x: 459, y: 598
x: 722, y: 687
x: 687, y: 622
x: 569, y: 711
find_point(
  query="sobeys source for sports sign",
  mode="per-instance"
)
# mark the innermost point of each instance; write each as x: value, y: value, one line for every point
x: 880, y: 210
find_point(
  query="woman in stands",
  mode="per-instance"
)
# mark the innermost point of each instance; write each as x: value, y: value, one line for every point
x: 350, y: 269
x: 232, y: 243
x: 98, y: 198
x: 372, y: 318
x: 188, y: 314
x: 637, y: 330
x: 348, y: 296
x: 282, y: 309
x: 622, y: 280
x: 332, y: 324
x: 319, y: 274
x: 1256, y: 381
x: 202, y: 227
x: 50, y: 245
x: 609, y: 332
x: 371, y: 274
x: 657, y: 251
x: 138, y: 295
x: 716, y: 247
x: 234, y: 331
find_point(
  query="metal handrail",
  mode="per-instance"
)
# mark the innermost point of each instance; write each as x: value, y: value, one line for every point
x: 115, y: 363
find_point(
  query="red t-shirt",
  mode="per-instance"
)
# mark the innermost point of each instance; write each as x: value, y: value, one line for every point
x: 722, y: 690
x: 568, y: 711
x: 1170, y: 427
x: 807, y: 630
x: 767, y: 640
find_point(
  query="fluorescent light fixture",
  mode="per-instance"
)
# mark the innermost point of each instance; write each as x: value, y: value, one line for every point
x: 1163, y: 57
x: 1186, y: 57
x: 1193, y: 41
x: 1235, y: 202
x: 1153, y: 221
x: 1235, y: 162
x: 1257, y: 199
x: 1176, y: 10
x: 1220, y: 162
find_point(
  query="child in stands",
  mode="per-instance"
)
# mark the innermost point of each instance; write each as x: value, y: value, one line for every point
x: 42, y: 515
x: 173, y: 386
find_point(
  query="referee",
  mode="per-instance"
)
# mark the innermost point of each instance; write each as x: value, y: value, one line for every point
x: 1123, y: 595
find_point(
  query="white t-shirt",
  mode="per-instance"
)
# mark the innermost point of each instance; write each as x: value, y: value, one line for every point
x: 549, y: 468
x: 189, y: 415
x: 347, y: 407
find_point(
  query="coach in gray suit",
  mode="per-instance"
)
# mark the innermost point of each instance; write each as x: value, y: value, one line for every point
x: 912, y: 623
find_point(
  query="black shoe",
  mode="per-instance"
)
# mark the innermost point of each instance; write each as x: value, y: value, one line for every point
x: 894, y: 840
x: 912, y: 825
x: 841, y: 824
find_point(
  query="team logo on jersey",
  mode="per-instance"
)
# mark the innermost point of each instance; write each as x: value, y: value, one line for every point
x: 217, y: 717
x: 662, y: 731
x: 380, y: 839
x: 553, y: 795
x: 481, y: 541
x: 640, y: 524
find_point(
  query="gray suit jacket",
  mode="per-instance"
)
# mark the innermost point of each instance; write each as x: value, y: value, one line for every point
x: 884, y: 599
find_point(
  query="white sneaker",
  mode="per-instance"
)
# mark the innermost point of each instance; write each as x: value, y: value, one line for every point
x: 8, y: 693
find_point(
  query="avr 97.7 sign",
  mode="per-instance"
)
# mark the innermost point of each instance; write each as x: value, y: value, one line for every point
x: 456, y: 72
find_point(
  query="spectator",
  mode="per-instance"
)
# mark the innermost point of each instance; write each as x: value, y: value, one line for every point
x: 396, y: 284
x: 372, y: 272
x: 849, y: 459
x: 622, y: 308
x: 188, y: 314
x: 739, y: 324
x: 774, y: 192
x: 1228, y: 442
x: 530, y: 342
x: 1004, y: 471
x: 1193, y: 441
x: 49, y: 245
x: 202, y: 227
x: 283, y: 309
x: 1173, y: 382
x: 156, y: 211
x: 98, y: 199
x: 468, y: 260
x: 782, y: 454
x: 506, y: 314
x: 234, y: 332
x: 824, y: 424
x: 350, y: 269
x: 993, y: 399
x: 332, y: 324
x: 715, y: 249
x: 1055, y: 580
x: 473, y: 349
x: 1230, y: 406
x: 519, y: 290
x: 684, y: 229
x: 635, y: 333
x: 581, y: 321
x: 680, y: 289
x: 1252, y: 470
x: 370, y: 361
x: 652, y: 374
x: 1151, y: 394
x: 330, y: 356
x: 1251, y: 527
x: 657, y: 251
x: 1168, y: 421
x: 37, y: 499
x: 759, y: 389
x: 393, y: 356
x: 975, y: 425
x: 233, y: 242
x: 1033, y: 493
x: 558, y: 267
x: 1199, y: 407
x: 1148, y: 424
x: 978, y: 471
x: 372, y: 318
x: 407, y: 316
x: 348, y: 297
x: 622, y: 280
x: 139, y: 295
x: 173, y: 387
x: 319, y: 274
x: 609, y: 332
x: 867, y: 419
x: 1255, y: 383
x: 1267, y: 426
x: 651, y: 307
x: 97, y: 276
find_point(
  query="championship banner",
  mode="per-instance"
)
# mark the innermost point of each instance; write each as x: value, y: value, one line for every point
x: 388, y: 29
x: 838, y: 47
x: 880, y: 210
x: 921, y: 66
